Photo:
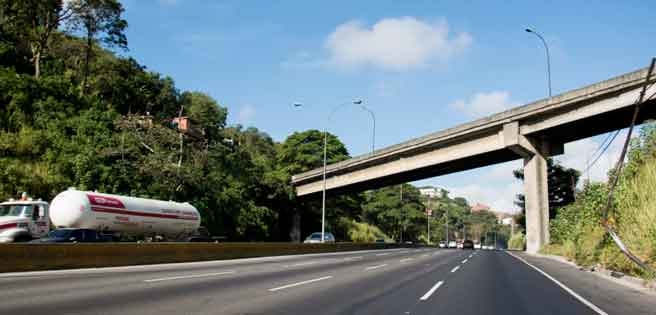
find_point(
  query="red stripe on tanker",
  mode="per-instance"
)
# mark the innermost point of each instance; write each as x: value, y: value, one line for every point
x: 80, y: 209
x: 144, y: 214
x: 8, y: 225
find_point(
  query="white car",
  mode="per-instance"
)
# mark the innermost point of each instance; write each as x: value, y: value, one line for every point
x: 452, y: 244
x: 315, y: 238
x: 442, y: 244
x: 477, y: 246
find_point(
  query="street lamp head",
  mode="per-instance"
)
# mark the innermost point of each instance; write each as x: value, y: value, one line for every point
x: 297, y: 104
x: 357, y: 102
x: 528, y: 30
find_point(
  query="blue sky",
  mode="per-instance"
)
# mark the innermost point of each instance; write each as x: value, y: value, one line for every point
x: 421, y: 66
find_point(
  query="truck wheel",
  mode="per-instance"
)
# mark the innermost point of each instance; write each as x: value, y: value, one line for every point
x: 22, y: 239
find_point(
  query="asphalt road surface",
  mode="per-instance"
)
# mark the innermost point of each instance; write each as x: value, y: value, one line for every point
x: 400, y: 281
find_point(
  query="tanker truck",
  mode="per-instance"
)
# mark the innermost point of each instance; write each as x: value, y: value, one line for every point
x: 27, y: 219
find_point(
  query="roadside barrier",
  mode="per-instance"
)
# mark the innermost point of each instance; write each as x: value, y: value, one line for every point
x: 31, y: 257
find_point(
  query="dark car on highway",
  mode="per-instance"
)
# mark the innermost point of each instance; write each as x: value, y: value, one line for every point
x: 468, y: 244
x: 73, y: 236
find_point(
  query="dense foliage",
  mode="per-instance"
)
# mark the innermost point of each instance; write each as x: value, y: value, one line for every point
x: 576, y: 231
x: 561, y: 182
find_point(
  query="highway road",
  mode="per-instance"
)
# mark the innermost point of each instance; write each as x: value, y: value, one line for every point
x: 399, y: 281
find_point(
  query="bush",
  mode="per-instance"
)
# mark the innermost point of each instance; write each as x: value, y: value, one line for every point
x: 577, y: 218
x: 517, y: 242
x: 361, y: 232
x: 577, y: 234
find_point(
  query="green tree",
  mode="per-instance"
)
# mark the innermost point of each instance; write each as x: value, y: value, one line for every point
x: 98, y: 18
x: 30, y: 24
x: 300, y: 152
x: 561, y: 183
x: 403, y: 219
x: 205, y: 111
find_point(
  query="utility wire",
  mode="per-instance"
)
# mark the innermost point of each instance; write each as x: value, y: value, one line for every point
x: 612, y: 135
x: 605, y: 146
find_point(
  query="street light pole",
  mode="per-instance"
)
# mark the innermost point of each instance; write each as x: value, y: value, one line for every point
x: 325, y: 154
x: 446, y: 220
x: 546, y: 47
x: 428, y: 213
x: 373, y: 136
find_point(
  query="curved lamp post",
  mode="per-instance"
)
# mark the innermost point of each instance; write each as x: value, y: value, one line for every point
x: 325, y: 153
x: 546, y: 47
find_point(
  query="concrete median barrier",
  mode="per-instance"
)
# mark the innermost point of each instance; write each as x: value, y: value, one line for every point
x: 31, y: 257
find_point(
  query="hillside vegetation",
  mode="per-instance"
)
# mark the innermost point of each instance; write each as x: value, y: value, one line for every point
x: 576, y: 231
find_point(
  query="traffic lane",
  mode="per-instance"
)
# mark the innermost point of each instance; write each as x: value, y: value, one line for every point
x: 27, y: 279
x: 190, y: 266
x: 496, y: 283
x: 57, y: 284
x: 612, y: 297
x: 225, y: 287
x: 393, y: 290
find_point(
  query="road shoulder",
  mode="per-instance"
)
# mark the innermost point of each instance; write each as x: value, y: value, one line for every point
x: 609, y: 295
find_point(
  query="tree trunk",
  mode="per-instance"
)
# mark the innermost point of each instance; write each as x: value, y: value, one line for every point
x: 87, y: 56
x: 36, y: 60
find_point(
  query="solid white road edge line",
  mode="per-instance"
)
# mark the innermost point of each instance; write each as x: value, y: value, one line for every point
x: 431, y: 291
x: 564, y: 287
x: 405, y: 259
x: 299, y: 283
x: 375, y: 267
x: 464, y: 261
x: 383, y: 254
x: 191, y: 276
x: 455, y: 269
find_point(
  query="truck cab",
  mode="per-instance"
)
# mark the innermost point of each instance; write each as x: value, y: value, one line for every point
x: 24, y: 220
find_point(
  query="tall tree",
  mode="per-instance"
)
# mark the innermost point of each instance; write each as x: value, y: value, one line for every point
x: 300, y: 152
x: 561, y: 183
x: 98, y: 20
x: 32, y: 23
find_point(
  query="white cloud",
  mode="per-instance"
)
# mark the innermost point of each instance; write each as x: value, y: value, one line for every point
x: 394, y: 44
x: 494, y: 186
x: 246, y: 114
x: 498, y: 196
x: 485, y: 103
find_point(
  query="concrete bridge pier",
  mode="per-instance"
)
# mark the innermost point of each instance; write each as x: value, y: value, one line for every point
x: 534, y: 151
x: 536, y: 198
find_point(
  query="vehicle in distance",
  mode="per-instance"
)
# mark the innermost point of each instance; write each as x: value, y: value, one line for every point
x: 477, y: 246
x: 442, y: 244
x: 453, y: 244
x: 380, y: 241
x: 203, y: 235
x: 73, y: 236
x: 467, y: 244
x: 315, y: 238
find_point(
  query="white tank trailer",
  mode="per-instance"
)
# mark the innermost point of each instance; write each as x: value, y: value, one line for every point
x: 24, y: 220
x: 123, y: 215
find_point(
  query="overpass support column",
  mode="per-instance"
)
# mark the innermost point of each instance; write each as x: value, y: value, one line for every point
x: 536, y: 193
x: 536, y: 198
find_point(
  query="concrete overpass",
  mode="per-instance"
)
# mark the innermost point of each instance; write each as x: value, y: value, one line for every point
x: 532, y: 132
